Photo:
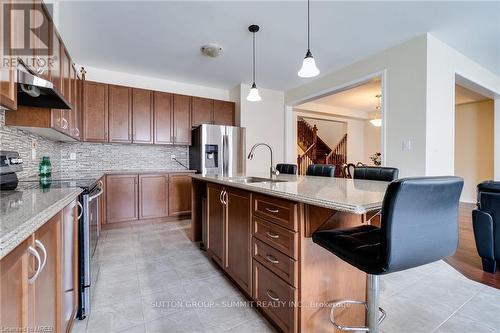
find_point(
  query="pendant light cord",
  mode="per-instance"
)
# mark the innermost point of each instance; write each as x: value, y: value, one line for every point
x: 253, y: 55
x: 308, y: 27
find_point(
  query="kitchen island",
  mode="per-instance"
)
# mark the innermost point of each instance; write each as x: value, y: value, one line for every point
x: 259, y: 232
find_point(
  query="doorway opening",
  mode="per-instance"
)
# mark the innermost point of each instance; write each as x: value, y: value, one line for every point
x: 474, y: 139
x: 344, y: 126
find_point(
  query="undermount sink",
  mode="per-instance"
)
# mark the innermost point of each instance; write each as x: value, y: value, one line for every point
x: 250, y: 180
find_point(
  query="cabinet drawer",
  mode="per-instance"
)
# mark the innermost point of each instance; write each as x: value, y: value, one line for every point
x: 280, y: 238
x: 277, y: 297
x: 281, y: 265
x: 282, y: 212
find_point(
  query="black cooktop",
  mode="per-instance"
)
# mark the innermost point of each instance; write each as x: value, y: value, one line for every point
x: 86, y: 183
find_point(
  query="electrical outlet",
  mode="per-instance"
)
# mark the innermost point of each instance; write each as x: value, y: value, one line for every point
x: 172, y: 157
x: 34, y: 144
x: 72, y: 156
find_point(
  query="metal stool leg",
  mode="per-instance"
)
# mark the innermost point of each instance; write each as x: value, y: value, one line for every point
x: 372, y: 317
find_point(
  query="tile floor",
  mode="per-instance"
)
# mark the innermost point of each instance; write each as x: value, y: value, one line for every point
x: 153, y: 279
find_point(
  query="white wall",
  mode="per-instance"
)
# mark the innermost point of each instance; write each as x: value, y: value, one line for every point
x: 264, y: 122
x: 443, y: 63
x: 145, y: 82
x: 497, y: 140
x: 474, y: 127
x: 403, y: 70
x: 372, y: 141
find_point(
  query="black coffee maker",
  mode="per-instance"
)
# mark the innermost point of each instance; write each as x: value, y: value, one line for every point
x: 10, y: 163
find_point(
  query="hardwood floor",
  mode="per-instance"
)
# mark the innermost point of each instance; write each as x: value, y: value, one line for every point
x: 466, y: 260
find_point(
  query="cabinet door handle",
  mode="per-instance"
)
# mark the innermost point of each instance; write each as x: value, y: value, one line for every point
x: 225, y: 197
x: 64, y: 123
x: 40, y: 245
x: 268, y: 293
x: 77, y: 131
x: 220, y: 196
x: 34, y: 253
x: 272, y: 210
x: 81, y: 210
x: 272, y: 235
x: 272, y: 259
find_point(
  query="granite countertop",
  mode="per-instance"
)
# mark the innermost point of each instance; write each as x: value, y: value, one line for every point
x: 24, y: 211
x: 349, y: 195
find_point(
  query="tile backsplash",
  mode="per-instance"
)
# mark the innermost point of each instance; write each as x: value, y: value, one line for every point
x: 90, y: 157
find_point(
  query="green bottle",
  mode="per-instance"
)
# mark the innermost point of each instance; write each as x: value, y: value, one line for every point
x: 45, y: 168
x: 45, y: 172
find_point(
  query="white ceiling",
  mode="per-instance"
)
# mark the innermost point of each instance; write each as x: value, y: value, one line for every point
x: 361, y: 98
x: 162, y: 38
x: 464, y: 95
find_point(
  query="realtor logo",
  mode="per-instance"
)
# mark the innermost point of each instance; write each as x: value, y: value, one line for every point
x: 28, y: 28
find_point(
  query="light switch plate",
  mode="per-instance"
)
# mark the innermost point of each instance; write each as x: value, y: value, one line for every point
x: 72, y: 156
x: 406, y: 145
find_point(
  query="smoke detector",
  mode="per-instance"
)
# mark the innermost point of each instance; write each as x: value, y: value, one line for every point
x: 211, y: 50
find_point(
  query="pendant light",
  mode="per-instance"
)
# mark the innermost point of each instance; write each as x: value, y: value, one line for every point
x: 308, y: 68
x: 253, y: 94
x: 377, y: 121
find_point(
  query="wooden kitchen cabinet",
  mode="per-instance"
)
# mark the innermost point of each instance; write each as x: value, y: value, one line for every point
x: 120, y: 114
x: 42, y: 45
x: 223, y: 113
x: 142, y: 109
x: 46, y: 290
x: 238, y: 237
x: 163, y: 118
x: 14, y: 273
x: 202, y: 111
x: 215, y: 223
x: 153, y: 196
x: 179, y: 198
x: 66, y: 114
x: 229, y: 232
x: 122, y: 197
x: 95, y: 111
x: 8, y: 88
x: 182, y: 119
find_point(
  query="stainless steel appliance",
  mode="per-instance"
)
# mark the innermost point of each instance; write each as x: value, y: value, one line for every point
x: 35, y: 91
x: 89, y: 234
x: 218, y: 150
x: 10, y: 163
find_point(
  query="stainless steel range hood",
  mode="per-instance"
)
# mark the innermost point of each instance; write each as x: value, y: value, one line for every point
x: 35, y: 91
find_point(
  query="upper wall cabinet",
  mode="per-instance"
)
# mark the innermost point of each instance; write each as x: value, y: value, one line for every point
x: 182, y: 119
x: 202, y: 111
x: 95, y: 112
x: 142, y: 109
x: 120, y: 114
x: 8, y: 90
x: 209, y: 111
x: 163, y: 117
x: 223, y: 113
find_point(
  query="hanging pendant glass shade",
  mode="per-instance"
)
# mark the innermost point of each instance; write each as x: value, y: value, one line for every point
x: 309, y: 68
x: 253, y: 94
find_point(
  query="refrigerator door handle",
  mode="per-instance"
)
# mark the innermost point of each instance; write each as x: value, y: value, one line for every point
x: 225, y: 155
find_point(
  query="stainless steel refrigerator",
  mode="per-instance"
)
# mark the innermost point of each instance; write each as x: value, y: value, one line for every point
x: 218, y: 150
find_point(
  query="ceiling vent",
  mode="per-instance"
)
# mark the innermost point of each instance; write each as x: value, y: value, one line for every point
x: 211, y: 50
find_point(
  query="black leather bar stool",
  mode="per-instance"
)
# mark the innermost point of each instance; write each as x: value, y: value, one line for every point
x: 322, y: 170
x: 419, y: 225
x: 486, y: 224
x: 289, y: 169
x: 375, y: 173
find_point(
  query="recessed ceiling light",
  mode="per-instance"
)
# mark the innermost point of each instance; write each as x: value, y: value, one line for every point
x: 211, y: 50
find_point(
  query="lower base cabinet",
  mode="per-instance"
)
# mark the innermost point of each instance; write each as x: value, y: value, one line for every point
x: 31, y: 288
x: 229, y: 232
x: 132, y: 197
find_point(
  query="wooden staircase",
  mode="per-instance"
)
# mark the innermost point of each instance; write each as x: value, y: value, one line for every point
x: 316, y: 151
